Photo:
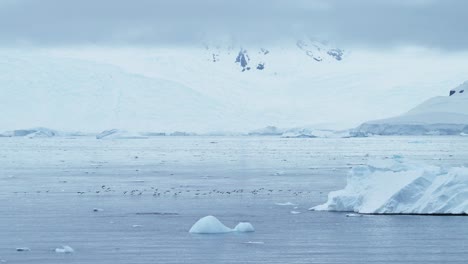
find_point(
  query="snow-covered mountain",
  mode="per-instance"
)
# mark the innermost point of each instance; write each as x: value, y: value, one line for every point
x: 442, y: 115
x: 259, y: 58
x: 179, y: 89
x: 70, y: 94
x: 219, y: 86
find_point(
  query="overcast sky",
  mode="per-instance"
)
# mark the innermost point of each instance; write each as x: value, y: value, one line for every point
x: 368, y: 23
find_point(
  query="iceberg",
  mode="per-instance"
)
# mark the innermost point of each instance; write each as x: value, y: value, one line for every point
x: 244, y: 227
x: 65, y: 250
x: 31, y: 133
x: 211, y: 225
x: 297, y: 135
x: 119, y: 134
x: 394, y: 186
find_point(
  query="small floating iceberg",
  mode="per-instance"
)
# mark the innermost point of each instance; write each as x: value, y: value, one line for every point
x: 119, y: 134
x: 255, y: 242
x: 353, y: 215
x: 65, y: 250
x: 211, y: 225
x: 244, y: 227
x: 286, y: 204
x: 394, y: 186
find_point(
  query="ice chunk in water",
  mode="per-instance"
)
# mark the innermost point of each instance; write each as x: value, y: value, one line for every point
x: 285, y: 204
x: 209, y: 225
x: 244, y: 227
x: 64, y: 249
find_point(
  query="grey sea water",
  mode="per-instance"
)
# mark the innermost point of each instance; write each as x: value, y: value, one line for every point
x: 148, y: 192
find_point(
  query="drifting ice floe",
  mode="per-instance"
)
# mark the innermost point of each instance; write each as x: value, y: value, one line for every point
x: 64, y: 249
x: 244, y: 227
x: 393, y: 186
x: 285, y: 204
x: 211, y: 225
x: 353, y: 215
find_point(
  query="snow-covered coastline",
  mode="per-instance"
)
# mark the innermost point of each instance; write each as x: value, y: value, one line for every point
x: 441, y: 115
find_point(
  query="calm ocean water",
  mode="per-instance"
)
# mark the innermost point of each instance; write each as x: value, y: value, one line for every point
x: 150, y: 191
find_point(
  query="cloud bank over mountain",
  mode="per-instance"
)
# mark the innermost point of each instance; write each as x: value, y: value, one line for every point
x: 430, y: 23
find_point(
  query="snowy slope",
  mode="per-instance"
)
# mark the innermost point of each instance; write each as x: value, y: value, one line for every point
x: 185, y: 92
x: 81, y: 95
x: 439, y: 115
x: 291, y: 90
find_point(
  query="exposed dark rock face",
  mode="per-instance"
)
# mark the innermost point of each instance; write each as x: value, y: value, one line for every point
x: 215, y: 57
x: 264, y: 51
x: 336, y: 53
x: 243, y: 58
x: 257, y: 58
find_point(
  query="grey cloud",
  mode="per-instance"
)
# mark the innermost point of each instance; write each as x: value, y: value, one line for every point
x: 433, y: 23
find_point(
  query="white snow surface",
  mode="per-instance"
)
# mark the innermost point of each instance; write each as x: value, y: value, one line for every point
x: 394, y: 186
x: 73, y: 94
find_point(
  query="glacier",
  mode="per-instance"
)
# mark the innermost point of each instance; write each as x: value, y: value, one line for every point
x: 71, y: 94
x: 397, y: 186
